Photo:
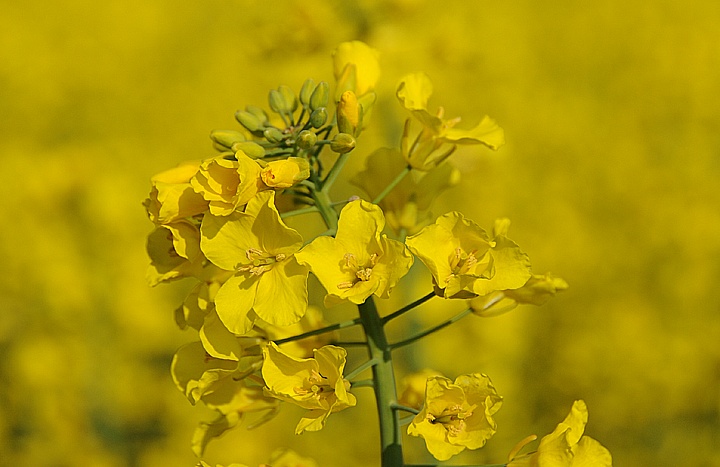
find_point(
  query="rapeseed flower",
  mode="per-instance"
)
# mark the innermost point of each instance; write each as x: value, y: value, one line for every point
x: 268, y: 282
x: 464, y: 261
x: 456, y: 415
x: 359, y: 261
x: 315, y: 384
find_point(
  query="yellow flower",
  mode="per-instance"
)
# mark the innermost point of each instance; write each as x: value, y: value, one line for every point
x: 268, y: 283
x: 536, y: 291
x: 286, y: 172
x: 315, y: 384
x: 457, y: 415
x: 566, y: 446
x: 172, y: 197
x: 413, y: 93
x: 227, y: 183
x: 356, y: 67
x: 359, y: 261
x: 174, y: 251
x: 465, y: 262
x: 407, y: 206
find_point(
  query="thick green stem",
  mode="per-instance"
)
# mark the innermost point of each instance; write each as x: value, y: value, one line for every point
x: 384, y: 378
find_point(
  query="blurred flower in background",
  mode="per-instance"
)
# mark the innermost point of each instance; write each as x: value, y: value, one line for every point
x: 609, y: 174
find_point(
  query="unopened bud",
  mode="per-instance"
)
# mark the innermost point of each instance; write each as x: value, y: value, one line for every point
x: 318, y: 117
x: 320, y: 96
x: 306, y: 139
x: 258, y: 112
x: 251, y: 149
x: 273, y: 135
x: 342, y: 143
x: 285, y: 173
x: 306, y: 91
x: 276, y: 101
x: 348, y: 113
x: 249, y: 121
x: 226, y: 138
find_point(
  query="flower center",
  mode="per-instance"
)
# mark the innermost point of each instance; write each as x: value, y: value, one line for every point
x: 453, y: 418
x: 362, y: 273
x: 260, y: 261
x: 315, y: 385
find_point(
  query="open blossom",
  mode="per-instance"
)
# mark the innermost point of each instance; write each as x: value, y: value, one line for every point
x: 464, y: 261
x: 413, y: 93
x: 566, y: 446
x: 359, y: 261
x: 268, y: 282
x: 227, y: 183
x: 174, y: 251
x: 356, y: 67
x: 172, y: 196
x: 456, y: 415
x: 315, y: 384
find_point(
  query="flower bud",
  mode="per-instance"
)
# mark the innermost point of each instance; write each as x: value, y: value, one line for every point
x: 342, y: 143
x: 276, y: 101
x: 348, y: 113
x: 306, y: 91
x: 226, y: 138
x: 258, y: 112
x: 286, y: 172
x: 250, y: 148
x: 291, y: 102
x: 318, y: 117
x: 306, y: 139
x: 273, y: 135
x: 249, y: 121
x: 320, y: 96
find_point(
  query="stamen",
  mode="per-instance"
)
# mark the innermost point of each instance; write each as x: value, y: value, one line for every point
x: 250, y: 252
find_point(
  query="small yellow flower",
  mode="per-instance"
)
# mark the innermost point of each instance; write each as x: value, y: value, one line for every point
x: 286, y: 172
x: 315, y: 384
x: 566, y: 446
x: 413, y: 93
x: 172, y: 197
x: 227, y: 183
x: 457, y: 415
x: 412, y: 388
x: 359, y: 261
x: 465, y: 261
x: 268, y: 283
x: 289, y: 458
x: 174, y: 251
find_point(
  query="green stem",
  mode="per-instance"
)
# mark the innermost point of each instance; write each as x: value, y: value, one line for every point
x: 433, y: 329
x: 324, y: 205
x: 360, y: 369
x: 409, y: 307
x: 384, y: 378
x: 315, y: 332
x: 298, y: 212
x: 335, y: 171
x: 392, y: 185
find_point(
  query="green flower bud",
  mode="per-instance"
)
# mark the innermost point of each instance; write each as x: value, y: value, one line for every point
x: 249, y: 121
x: 306, y: 91
x: 318, y: 117
x: 250, y: 148
x: 342, y: 143
x: 306, y: 139
x: 273, y: 135
x: 226, y: 138
x: 320, y: 96
x: 276, y: 101
x: 291, y: 102
x: 258, y: 112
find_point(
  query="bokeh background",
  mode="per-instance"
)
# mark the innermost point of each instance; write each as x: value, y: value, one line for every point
x: 610, y: 176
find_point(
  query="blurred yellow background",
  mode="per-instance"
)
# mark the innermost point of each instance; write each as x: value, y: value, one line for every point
x: 610, y: 176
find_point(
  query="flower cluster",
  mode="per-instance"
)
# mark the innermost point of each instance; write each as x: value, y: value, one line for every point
x: 262, y: 336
